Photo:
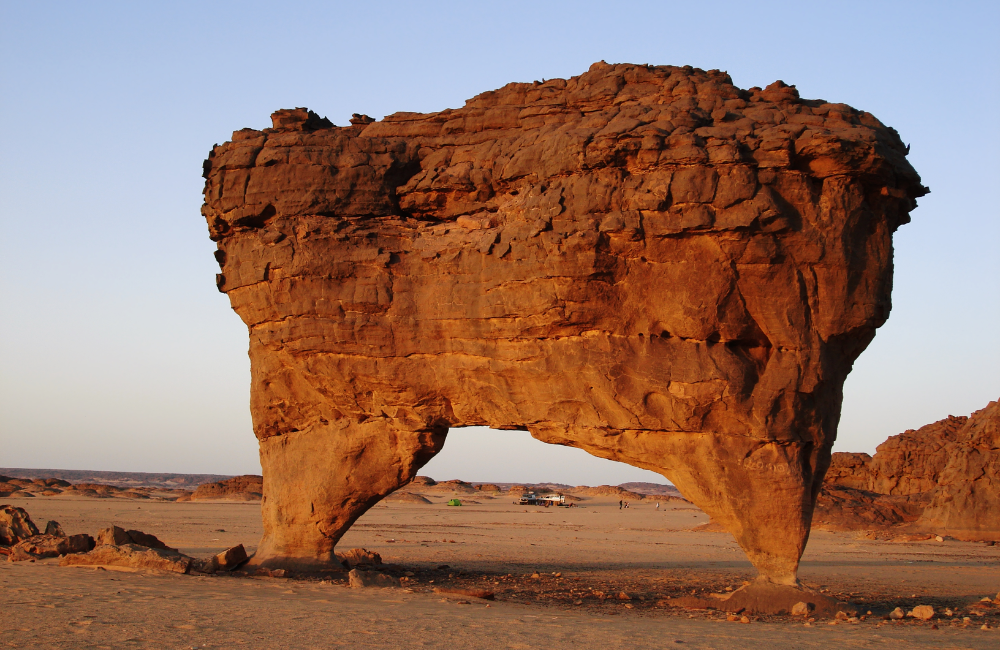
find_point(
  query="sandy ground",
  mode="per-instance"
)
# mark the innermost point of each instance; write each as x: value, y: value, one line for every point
x: 598, y: 551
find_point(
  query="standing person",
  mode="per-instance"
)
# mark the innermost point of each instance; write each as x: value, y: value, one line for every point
x: 619, y: 504
x: 657, y: 505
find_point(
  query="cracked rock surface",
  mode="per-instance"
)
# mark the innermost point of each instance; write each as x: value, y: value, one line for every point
x: 647, y: 263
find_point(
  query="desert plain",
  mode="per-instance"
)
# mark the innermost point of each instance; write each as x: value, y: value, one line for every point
x: 592, y: 575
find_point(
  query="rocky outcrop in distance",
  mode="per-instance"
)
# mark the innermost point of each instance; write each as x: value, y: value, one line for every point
x: 943, y: 478
x: 248, y: 487
x: 122, y: 480
x: 645, y: 262
x: 52, y: 487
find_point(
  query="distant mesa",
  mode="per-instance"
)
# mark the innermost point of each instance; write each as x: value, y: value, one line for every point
x: 249, y: 487
x: 645, y: 262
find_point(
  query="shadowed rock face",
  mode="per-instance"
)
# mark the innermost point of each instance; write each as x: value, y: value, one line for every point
x: 647, y: 263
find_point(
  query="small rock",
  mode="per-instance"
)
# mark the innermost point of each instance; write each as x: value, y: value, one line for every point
x: 623, y: 596
x: 985, y: 626
x: 471, y: 593
x: 923, y: 612
x: 224, y: 561
x: 842, y: 616
x: 535, y: 576
x: 948, y: 612
x: 802, y: 609
x: 356, y: 557
x: 271, y: 573
x: 113, y: 536
x: 744, y: 619
x: 53, y: 528
x: 361, y: 579
x: 896, y: 614
x: 938, y: 538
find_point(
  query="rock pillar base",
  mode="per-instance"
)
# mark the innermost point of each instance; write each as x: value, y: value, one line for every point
x: 319, y: 482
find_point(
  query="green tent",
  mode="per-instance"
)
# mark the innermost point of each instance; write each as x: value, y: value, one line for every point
x: 454, y: 502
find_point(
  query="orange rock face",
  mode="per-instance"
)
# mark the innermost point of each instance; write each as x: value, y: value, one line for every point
x: 942, y: 478
x: 647, y: 263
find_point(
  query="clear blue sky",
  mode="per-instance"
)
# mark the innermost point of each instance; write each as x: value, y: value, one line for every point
x: 116, y: 351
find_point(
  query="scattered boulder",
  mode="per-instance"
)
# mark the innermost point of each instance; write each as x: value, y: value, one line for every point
x: 922, y: 612
x: 15, y: 525
x: 53, y: 528
x: 113, y: 536
x: 356, y: 557
x: 131, y: 556
x: 802, y: 608
x: 359, y: 579
x: 896, y: 614
x: 227, y: 560
x: 116, y: 536
x: 145, y: 539
x: 43, y: 546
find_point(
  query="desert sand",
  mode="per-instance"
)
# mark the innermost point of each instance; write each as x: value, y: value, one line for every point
x: 486, y: 543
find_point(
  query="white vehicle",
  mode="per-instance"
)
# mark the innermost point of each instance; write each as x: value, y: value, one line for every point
x: 532, y: 499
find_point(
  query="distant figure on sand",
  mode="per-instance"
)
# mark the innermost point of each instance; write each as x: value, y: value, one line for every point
x: 620, y: 504
x: 657, y: 505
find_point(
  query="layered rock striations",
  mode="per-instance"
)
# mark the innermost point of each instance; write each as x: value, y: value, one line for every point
x: 647, y: 263
x: 942, y: 478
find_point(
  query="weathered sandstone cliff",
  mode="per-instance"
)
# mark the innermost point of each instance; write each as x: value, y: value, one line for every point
x: 943, y: 478
x: 648, y: 263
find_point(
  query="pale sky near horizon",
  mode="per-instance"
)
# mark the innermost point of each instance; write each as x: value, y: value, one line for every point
x: 118, y: 353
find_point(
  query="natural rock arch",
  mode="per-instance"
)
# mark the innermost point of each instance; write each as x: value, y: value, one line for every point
x: 644, y: 262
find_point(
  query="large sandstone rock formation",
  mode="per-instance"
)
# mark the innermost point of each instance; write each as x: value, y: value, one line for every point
x: 647, y: 263
x: 942, y: 478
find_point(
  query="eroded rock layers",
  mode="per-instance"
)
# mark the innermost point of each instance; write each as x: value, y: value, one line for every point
x: 648, y: 263
x: 942, y: 478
